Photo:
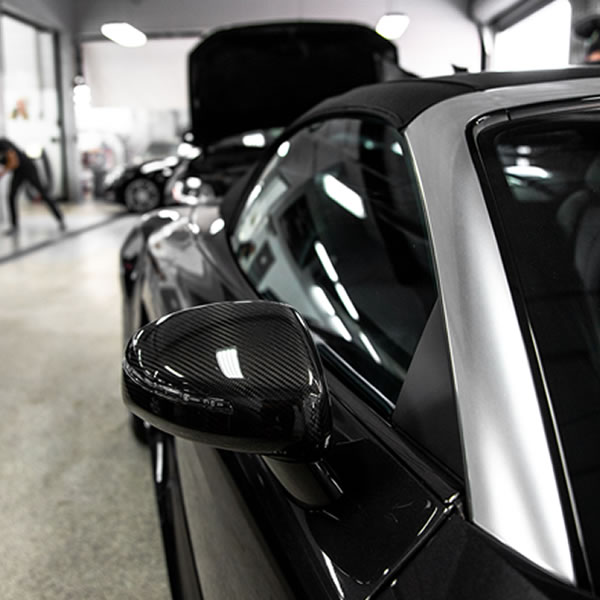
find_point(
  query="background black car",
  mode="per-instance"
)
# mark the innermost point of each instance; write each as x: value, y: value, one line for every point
x: 140, y: 187
x: 206, y: 177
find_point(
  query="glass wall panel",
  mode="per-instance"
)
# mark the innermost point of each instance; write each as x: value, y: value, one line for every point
x: 31, y: 100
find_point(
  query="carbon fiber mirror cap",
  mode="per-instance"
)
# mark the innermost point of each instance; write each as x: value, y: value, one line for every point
x: 242, y: 376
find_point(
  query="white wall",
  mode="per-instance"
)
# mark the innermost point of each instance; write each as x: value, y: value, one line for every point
x: 550, y: 27
x: 138, y: 95
x: 440, y: 33
x: 151, y: 77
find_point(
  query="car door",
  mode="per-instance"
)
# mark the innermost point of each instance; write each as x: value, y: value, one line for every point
x: 334, y: 227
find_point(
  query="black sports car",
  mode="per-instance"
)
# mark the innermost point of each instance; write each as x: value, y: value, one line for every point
x: 140, y: 186
x: 374, y: 370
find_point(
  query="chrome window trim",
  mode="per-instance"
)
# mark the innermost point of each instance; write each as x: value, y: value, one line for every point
x: 511, y: 484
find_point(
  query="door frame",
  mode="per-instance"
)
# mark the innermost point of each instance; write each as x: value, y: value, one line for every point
x: 58, y: 77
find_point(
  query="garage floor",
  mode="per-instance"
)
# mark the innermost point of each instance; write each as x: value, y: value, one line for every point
x: 77, y: 511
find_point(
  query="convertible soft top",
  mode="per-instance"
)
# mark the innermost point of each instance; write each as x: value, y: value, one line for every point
x: 401, y: 101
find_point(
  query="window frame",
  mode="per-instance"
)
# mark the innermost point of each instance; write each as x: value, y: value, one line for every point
x: 479, y: 134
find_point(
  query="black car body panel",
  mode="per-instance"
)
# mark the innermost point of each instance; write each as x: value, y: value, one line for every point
x: 150, y: 177
x: 263, y: 76
x: 183, y: 578
x: 402, y: 527
x: 167, y: 279
x: 462, y: 562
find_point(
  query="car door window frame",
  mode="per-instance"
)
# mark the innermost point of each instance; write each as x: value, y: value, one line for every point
x: 481, y: 139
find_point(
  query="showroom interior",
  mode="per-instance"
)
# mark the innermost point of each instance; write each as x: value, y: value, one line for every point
x: 77, y: 509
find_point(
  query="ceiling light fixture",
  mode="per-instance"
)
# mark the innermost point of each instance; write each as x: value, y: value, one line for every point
x: 392, y: 25
x: 124, y: 34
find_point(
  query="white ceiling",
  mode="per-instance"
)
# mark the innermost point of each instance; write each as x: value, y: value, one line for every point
x: 440, y: 33
x: 160, y: 16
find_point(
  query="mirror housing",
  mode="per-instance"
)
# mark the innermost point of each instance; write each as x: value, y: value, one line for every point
x: 241, y: 376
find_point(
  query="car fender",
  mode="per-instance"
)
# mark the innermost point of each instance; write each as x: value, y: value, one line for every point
x: 132, y: 258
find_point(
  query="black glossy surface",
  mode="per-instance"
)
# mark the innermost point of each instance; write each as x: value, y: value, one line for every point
x: 116, y: 190
x: 242, y: 376
x: 389, y: 535
x: 347, y: 549
x: 403, y: 101
x: 132, y: 261
x: 278, y: 70
x: 321, y: 552
x: 317, y: 550
x: 183, y: 578
x: 462, y: 562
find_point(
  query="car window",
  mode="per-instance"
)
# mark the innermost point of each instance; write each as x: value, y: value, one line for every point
x: 545, y: 173
x: 334, y: 227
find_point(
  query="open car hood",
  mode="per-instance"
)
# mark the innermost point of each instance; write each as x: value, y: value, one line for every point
x: 258, y: 77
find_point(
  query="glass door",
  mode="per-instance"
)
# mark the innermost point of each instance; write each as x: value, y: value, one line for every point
x: 31, y: 98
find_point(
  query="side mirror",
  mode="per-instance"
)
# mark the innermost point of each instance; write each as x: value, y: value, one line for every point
x: 242, y: 376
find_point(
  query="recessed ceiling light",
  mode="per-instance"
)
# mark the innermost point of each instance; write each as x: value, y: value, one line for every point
x: 124, y: 34
x: 392, y: 25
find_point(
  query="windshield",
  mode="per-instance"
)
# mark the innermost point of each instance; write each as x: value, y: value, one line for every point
x: 545, y: 177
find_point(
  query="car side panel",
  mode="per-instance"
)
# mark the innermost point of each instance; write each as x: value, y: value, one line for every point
x: 349, y: 548
x: 132, y: 263
x: 463, y: 562
x: 180, y: 271
x: 231, y: 555
x: 344, y: 550
x: 183, y: 577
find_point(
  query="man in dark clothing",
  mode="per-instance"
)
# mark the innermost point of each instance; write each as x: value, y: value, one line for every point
x: 24, y: 170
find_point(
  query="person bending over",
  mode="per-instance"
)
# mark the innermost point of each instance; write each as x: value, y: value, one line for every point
x: 23, y: 170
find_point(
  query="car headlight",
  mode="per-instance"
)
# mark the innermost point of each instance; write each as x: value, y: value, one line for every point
x: 112, y: 176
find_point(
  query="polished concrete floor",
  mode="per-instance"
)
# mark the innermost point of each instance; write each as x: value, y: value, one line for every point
x: 77, y: 511
x: 38, y: 228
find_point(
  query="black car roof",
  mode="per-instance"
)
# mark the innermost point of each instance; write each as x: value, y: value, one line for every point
x: 401, y: 101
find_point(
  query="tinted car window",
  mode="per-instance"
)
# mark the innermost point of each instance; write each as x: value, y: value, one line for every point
x: 334, y: 228
x: 546, y: 178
